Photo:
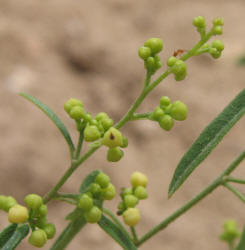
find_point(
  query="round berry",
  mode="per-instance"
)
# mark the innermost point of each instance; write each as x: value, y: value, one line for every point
x: 72, y: 103
x: 150, y: 63
x: 76, y: 113
x: 164, y: 101
x: 155, y: 44
x: 124, y: 142
x: 217, y: 30
x: 166, y: 122
x: 180, y: 77
x: 219, y: 45
x: 91, y: 133
x: 18, y: 214
x: 178, y: 111
x: 214, y: 53
x: 230, y: 231
x: 95, y: 190
x: 127, y: 191
x: 101, y: 115
x: 114, y: 154
x: 33, y: 201
x: 144, y: 52
x: 218, y: 21
x: 106, y: 123
x: 157, y: 113
x: 171, y: 61
x: 179, y: 67
x: 130, y: 200
x: 87, y: 117
x: 140, y: 192
x: 109, y: 193
x: 199, y: 22
x: 112, y: 138
x: 43, y: 210
x: 50, y: 230
x: 93, y: 215
x: 85, y: 202
x: 3, y: 200
x: 10, y: 202
x: 38, y: 238
x: 138, y: 179
x: 131, y: 216
x: 103, y: 180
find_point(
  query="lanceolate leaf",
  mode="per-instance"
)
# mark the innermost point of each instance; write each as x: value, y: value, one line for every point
x: 53, y: 117
x: 208, y: 140
x: 113, y: 230
x: 241, y: 244
x: 6, y: 233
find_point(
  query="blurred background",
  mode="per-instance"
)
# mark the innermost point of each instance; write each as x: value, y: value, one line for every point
x: 58, y: 49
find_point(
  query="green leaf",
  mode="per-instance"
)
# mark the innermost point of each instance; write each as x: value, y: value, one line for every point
x: 241, y: 244
x: 19, y: 234
x: 114, y: 231
x: 6, y: 233
x: 208, y: 140
x: 88, y: 180
x: 53, y: 117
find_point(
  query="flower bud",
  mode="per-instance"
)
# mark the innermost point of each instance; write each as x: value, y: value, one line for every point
x: 199, y: 22
x: 85, y: 202
x: 130, y: 200
x: 18, y: 214
x: 91, y: 133
x: 50, y: 230
x: 33, y: 201
x: 109, y: 192
x: 114, y: 154
x: 140, y: 192
x: 144, y: 52
x: 131, y: 216
x: 112, y: 138
x: 72, y: 102
x: 77, y: 113
x: 93, y: 215
x: 103, y: 180
x: 138, y: 179
x: 38, y: 238
x: 155, y: 44
x: 178, y: 111
x: 166, y: 122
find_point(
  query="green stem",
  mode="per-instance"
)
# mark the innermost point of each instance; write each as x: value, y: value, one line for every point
x: 135, y: 237
x: 67, y: 200
x: 79, y: 145
x: 140, y: 116
x: 235, y: 192
x: 235, y: 180
x: 193, y: 201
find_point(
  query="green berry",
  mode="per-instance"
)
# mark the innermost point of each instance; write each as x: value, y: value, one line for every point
x: 150, y: 63
x: 138, y: 179
x: 171, y: 61
x: 87, y: 117
x: 130, y: 200
x: 95, y: 190
x: 77, y: 113
x: 164, y: 101
x: 180, y: 77
x: 109, y: 193
x: 121, y: 206
x: 140, y: 192
x: 158, y: 65
x: 101, y: 115
x: 112, y: 138
x: 179, y: 67
x: 50, y: 230
x: 18, y: 214
x: 114, y: 154
x: 38, y: 238
x: 218, y: 21
x: 214, y: 53
x: 157, y: 113
x: 144, y: 52
x: 33, y: 201
x: 131, y: 216
x: 178, y: 111
x: 155, y: 44
x: 3, y: 200
x: 10, y: 202
x: 93, y: 215
x: 218, y: 30
x: 72, y: 103
x: 199, y: 22
x: 41, y: 221
x: 124, y: 142
x: 85, y: 202
x: 43, y: 210
x: 94, y: 122
x: 166, y: 122
x: 219, y: 45
x: 230, y: 231
x: 91, y: 133
x: 103, y: 180
x: 106, y: 123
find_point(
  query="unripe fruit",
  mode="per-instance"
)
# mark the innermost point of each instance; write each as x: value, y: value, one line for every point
x: 43, y: 210
x: 41, y: 221
x: 218, y: 30
x: 178, y: 111
x: 199, y: 22
x: 219, y: 45
x: 10, y: 202
x: 180, y: 77
x: 131, y: 216
x: 144, y: 52
x: 218, y: 21
x: 157, y: 113
x: 77, y: 113
x: 87, y: 117
x: 138, y: 179
x: 230, y: 231
x: 166, y: 122
x: 155, y: 44
x: 38, y: 238
x: 50, y: 230
x: 179, y: 67
x: 3, y: 200
x: 101, y: 115
x: 127, y: 191
x: 114, y: 154
x: 72, y: 103
x: 150, y: 63
x: 85, y: 202
x: 112, y: 138
x: 103, y: 180
x: 95, y: 190
x: 106, y: 123
x: 93, y: 215
x: 140, y: 193
x: 130, y: 200
x: 214, y: 53
x: 171, y: 61
x: 91, y: 133
x: 124, y: 142
x: 33, y: 201
x: 164, y: 101
x: 18, y: 214
x: 109, y: 193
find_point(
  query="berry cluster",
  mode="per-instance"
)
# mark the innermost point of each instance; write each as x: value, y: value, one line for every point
x: 130, y: 198
x: 177, y: 67
x: 149, y: 52
x: 36, y: 216
x: 167, y: 112
x: 101, y: 189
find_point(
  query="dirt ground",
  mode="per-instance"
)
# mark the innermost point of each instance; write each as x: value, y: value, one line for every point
x: 87, y: 49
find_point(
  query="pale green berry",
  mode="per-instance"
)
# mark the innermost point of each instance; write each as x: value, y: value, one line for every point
x: 199, y: 22
x: 93, y: 215
x: 114, y: 154
x: 103, y: 180
x: 3, y: 200
x: 41, y: 221
x: 138, y: 179
x: 109, y: 192
x: 219, y: 45
x: 230, y: 231
x: 150, y: 63
x: 140, y: 192
x: 166, y: 122
x: 157, y: 113
x: 131, y: 216
x: 72, y: 103
x: 50, y: 230
x: 87, y: 117
x: 112, y: 138
x: 95, y: 190
x: 127, y: 191
x: 158, y: 65
x: 106, y: 123
x: 10, y: 202
x: 94, y: 122
x: 91, y: 133
x: 77, y: 113
x: 33, y: 201
x: 218, y: 21
x: 178, y: 111
x: 43, y: 210
x: 18, y: 214
x: 144, y: 52
x: 180, y: 77
x: 124, y: 142
x: 217, y: 30
x: 179, y: 68
x: 101, y: 115
x: 155, y: 44
x: 171, y: 61
x: 130, y: 200
x: 85, y: 202
x: 38, y: 238
x: 164, y: 101
x: 214, y: 53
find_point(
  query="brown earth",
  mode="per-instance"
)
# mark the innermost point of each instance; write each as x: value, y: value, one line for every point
x: 55, y: 50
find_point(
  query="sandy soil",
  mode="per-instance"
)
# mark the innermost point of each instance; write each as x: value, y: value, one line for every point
x: 59, y: 49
